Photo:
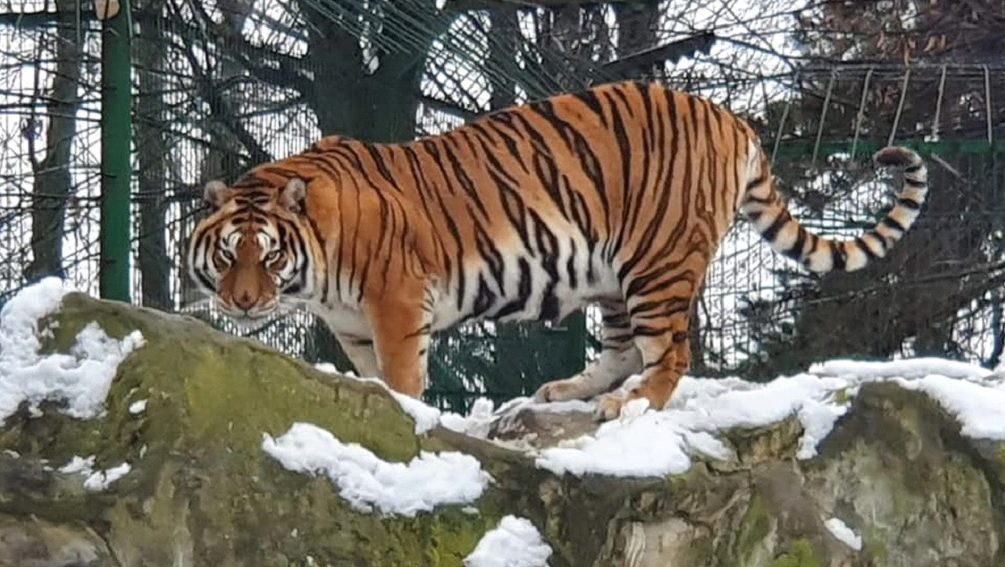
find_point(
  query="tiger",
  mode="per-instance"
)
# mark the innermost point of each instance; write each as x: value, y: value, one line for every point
x: 618, y: 195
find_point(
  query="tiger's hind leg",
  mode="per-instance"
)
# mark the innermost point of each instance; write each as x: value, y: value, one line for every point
x: 660, y: 329
x: 618, y: 360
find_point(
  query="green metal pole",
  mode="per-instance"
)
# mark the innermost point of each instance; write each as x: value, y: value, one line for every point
x: 116, y: 132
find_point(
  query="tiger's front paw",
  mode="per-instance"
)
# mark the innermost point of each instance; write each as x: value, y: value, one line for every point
x: 619, y: 404
x: 609, y: 406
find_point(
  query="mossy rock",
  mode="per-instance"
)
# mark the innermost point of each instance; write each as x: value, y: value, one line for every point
x: 202, y: 491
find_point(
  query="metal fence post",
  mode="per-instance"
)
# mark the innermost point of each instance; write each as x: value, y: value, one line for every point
x: 574, y: 353
x: 116, y: 133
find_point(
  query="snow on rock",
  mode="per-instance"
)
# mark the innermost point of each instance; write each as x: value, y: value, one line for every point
x: 844, y: 534
x: 999, y: 373
x: 907, y: 368
x: 515, y: 542
x: 653, y: 444
x: 699, y: 409
x: 79, y: 465
x: 81, y: 378
x: 980, y: 409
x: 329, y: 368
x: 368, y: 482
x: 425, y: 417
x: 702, y: 409
x: 101, y: 479
x: 974, y: 395
x: 326, y: 367
x: 96, y: 480
x: 477, y: 423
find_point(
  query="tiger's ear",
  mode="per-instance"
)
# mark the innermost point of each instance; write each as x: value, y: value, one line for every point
x: 216, y: 193
x: 292, y: 196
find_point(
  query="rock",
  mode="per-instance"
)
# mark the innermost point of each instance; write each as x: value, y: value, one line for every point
x: 200, y: 490
x: 539, y: 427
x: 30, y: 542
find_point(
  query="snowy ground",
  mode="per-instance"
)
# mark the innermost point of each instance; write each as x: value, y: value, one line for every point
x: 654, y: 443
x: 843, y: 533
x: 641, y: 443
x: 81, y: 378
x: 515, y: 542
x: 368, y: 482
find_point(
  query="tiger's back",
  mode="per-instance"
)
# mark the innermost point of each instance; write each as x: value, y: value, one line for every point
x: 618, y: 195
x: 539, y: 208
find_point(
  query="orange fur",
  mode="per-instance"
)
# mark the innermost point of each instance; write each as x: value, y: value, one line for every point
x: 619, y: 195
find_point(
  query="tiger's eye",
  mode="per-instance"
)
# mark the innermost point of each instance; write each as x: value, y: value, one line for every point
x: 272, y: 256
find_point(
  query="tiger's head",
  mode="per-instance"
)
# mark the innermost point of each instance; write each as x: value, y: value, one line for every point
x: 256, y: 248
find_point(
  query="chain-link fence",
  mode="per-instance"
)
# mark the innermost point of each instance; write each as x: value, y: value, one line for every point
x: 221, y: 86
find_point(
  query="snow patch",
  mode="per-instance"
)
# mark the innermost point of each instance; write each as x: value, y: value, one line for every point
x: 326, y: 367
x: 702, y: 409
x: 643, y: 442
x: 907, y: 368
x: 425, y: 417
x: 81, y: 378
x: 101, y: 479
x: 96, y: 481
x: 526, y: 403
x: 515, y: 542
x: 476, y: 424
x: 629, y: 447
x: 78, y: 465
x: 844, y: 534
x: 368, y: 482
x: 979, y: 408
x: 138, y: 406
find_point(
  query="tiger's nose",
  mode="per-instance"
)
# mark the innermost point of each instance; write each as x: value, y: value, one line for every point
x: 244, y: 301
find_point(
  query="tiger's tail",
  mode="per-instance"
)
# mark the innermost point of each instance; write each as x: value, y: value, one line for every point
x: 772, y: 219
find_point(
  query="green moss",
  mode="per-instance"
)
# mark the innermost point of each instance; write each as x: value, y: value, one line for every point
x: 455, y: 534
x: 752, y: 546
x: 760, y: 444
x: 1000, y: 464
x: 249, y: 393
x: 842, y: 397
x: 199, y: 474
x: 696, y: 476
x: 873, y: 547
x: 799, y: 554
x: 698, y: 552
x: 226, y: 384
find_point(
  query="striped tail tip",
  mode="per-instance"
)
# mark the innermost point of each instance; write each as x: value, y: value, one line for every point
x: 896, y: 156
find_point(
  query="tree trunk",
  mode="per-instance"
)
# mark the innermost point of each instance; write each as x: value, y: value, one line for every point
x: 348, y: 98
x: 504, y: 36
x: 53, y: 184
x: 636, y: 26
x: 155, y: 264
